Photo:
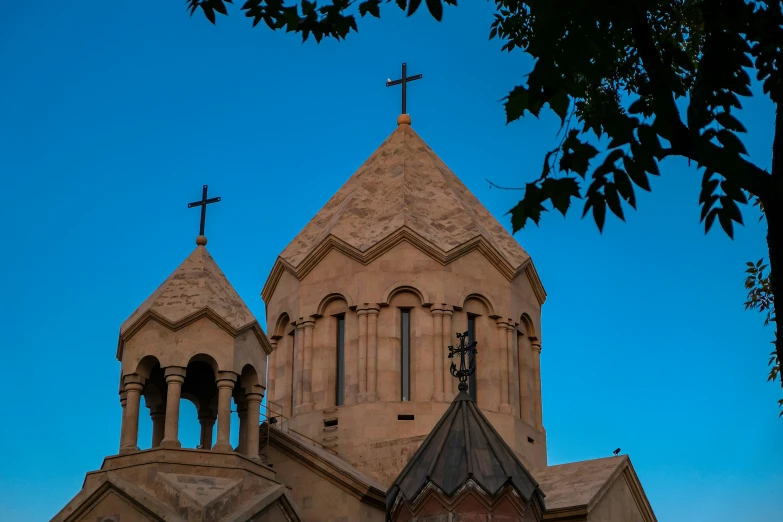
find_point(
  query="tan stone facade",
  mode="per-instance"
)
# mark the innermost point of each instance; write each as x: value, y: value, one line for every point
x: 425, y: 245
x: 361, y: 308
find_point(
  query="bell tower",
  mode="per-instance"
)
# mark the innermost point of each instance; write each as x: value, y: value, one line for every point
x: 192, y: 339
x: 364, y: 302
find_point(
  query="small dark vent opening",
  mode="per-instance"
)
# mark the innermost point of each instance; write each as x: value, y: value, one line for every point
x: 330, y: 422
x: 404, y: 417
x: 530, y: 440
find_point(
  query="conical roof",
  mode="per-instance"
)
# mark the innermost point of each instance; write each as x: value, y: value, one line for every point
x: 197, y: 284
x: 404, y: 184
x: 463, y: 446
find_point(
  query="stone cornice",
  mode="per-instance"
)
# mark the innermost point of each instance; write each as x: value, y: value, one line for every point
x: 303, y: 454
x: 403, y: 234
x: 151, y: 315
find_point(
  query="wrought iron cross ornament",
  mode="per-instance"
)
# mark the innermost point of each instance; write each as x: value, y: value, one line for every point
x: 203, y: 204
x: 468, y: 349
x: 404, y: 81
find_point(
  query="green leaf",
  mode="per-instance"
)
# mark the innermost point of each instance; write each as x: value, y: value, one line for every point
x: 710, y: 219
x: 436, y: 9
x: 517, y: 102
x: 559, y: 103
x: 529, y: 208
x: 560, y: 191
x: 613, y: 200
x: 208, y: 12
x: 413, y: 6
x: 636, y: 173
x: 730, y: 122
x: 730, y: 142
x: 624, y: 187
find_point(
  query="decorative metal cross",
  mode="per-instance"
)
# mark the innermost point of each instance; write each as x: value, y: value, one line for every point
x: 404, y: 81
x: 465, y: 348
x: 203, y: 204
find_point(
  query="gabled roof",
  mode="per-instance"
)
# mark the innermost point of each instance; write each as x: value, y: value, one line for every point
x: 327, y: 464
x: 404, y: 184
x: 579, y: 486
x: 197, y: 284
x: 463, y: 446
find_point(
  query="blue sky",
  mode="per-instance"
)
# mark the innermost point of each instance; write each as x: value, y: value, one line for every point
x: 113, y: 116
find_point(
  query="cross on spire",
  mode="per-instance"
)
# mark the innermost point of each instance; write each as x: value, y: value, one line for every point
x: 404, y: 81
x: 203, y: 204
x: 465, y: 348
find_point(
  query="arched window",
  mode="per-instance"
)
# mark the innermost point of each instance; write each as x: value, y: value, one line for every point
x: 472, y: 383
x: 340, y: 380
x: 405, y: 350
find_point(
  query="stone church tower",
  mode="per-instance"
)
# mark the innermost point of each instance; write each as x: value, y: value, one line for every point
x: 363, y: 419
x: 363, y: 303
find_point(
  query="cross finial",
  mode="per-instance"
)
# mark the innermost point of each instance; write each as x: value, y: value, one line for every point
x: 202, y: 240
x: 465, y: 348
x: 404, y: 81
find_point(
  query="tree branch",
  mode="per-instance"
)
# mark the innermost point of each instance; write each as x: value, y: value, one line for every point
x: 670, y: 126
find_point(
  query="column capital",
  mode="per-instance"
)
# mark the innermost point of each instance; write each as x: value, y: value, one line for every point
x: 436, y: 312
x: 254, y: 397
x: 132, y: 378
x: 503, y: 323
x: 368, y: 308
x: 226, y: 380
x: 441, y: 307
x: 174, y: 370
x: 133, y: 386
x: 535, y: 343
x: 306, y: 323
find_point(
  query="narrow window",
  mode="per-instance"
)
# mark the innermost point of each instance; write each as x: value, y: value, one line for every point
x: 471, y: 339
x: 405, y: 340
x: 340, y: 395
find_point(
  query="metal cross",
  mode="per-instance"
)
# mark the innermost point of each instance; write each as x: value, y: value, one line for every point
x: 404, y: 81
x: 465, y: 348
x: 203, y: 204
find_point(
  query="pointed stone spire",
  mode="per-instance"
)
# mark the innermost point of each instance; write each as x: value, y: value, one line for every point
x: 198, y: 284
x: 405, y: 185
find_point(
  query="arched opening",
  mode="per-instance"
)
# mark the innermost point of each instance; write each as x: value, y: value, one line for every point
x: 474, y: 320
x: 405, y: 351
x: 199, y: 411
x: 330, y: 353
x: 154, y: 393
x: 280, y: 394
x: 525, y: 332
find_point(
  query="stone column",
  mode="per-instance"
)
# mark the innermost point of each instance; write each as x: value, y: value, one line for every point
x: 307, y: 374
x: 298, y: 367
x: 362, y: 313
x: 535, y: 344
x: 225, y: 385
x: 448, y: 379
x: 437, y: 353
x: 207, y: 420
x: 175, y: 376
x: 158, y: 416
x: 506, y: 361
x: 271, y: 369
x: 372, y: 354
x: 242, y: 414
x: 130, y: 415
x: 253, y: 404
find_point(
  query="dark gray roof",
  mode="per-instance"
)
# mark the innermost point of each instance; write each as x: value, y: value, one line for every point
x: 463, y: 445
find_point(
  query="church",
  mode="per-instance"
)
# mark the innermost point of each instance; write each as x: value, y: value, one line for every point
x: 371, y: 411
